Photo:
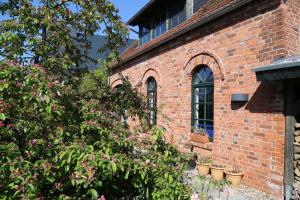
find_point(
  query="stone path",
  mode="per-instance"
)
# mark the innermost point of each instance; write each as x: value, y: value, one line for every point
x: 241, y: 193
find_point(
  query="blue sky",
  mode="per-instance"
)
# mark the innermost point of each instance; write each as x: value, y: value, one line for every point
x: 128, y: 8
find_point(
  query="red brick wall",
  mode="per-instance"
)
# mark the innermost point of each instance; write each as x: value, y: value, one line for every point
x: 293, y: 26
x: 252, y: 134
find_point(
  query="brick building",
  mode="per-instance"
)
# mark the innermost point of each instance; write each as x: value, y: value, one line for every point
x: 196, y: 58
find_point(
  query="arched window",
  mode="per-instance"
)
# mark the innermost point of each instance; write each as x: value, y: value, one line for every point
x: 121, y: 114
x: 152, y: 100
x: 203, y: 100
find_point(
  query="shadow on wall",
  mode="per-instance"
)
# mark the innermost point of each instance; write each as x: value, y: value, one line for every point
x: 268, y: 98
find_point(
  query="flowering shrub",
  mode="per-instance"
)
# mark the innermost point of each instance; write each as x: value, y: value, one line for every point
x: 60, y: 134
x: 58, y: 142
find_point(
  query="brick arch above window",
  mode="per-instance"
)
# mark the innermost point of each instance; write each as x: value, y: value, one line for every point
x: 116, y: 83
x: 150, y: 72
x: 204, y: 58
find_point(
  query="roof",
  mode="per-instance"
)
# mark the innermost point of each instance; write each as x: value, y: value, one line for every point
x: 97, y: 42
x: 286, y: 68
x: 208, y: 12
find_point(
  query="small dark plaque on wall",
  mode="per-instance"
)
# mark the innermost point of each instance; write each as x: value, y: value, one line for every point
x: 240, y: 97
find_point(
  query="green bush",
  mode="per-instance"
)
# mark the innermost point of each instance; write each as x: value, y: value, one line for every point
x: 62, y: 142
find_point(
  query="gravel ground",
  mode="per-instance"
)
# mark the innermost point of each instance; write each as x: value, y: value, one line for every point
x: 241, y: 193
x: 253, y: 194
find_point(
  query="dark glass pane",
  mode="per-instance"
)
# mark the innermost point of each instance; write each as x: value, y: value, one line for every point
x: 160, y: 25
x: 174, y: 21
x: 163, y: 26
x: 209, y: 75
x: 198, y: 4
x: 151, y: 85
x: 199, y: 95
x: 152, y: 100
x: 181, y: 15
x: 145, y: 34
x: 209, y: 111
x: 210, y: 94
x: 203, y: 75
x: 177, y: 13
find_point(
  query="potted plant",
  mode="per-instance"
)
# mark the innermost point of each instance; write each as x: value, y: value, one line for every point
x: 199, y: 135
x: 234, y: 176
x: 203, y: 165
x: 217, y: 172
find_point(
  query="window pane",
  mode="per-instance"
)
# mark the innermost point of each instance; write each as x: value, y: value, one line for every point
x: 203, y: 75
x: 209, y: 94
x: 181, y: 15
x: 177, y: 13
x: 145, y: 34
x: 151, y: 93
x: 198, y: 4
x: 209, y: 111
x: 160, y: 25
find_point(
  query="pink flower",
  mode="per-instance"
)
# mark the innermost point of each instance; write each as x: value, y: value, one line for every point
x: 34, y: 142
x: 10, y: 125
x: 102, y: 197
x: 90, y: 122
x: 195, y: 196
x: 1, y: 124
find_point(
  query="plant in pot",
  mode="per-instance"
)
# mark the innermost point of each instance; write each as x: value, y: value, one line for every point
x: 203, y: 165
x: 217, y: 172
x: 234, y: 176
x: 199, y: 135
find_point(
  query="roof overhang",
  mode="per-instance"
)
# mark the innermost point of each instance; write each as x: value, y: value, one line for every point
x: 283, y: 69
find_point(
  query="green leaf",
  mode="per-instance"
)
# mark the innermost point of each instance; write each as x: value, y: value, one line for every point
x: 31, y: 188
x: 70, y: 157
x: 94, y: 193
x: 114, y: 167
x: 127, y: 175
x: 2, y: 116
x: 48, y: 110
x: 171, y: 179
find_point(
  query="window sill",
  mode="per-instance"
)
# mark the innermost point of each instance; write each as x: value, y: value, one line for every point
x: 207, y: 146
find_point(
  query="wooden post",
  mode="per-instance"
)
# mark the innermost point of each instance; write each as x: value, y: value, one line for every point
x: 289, y: 138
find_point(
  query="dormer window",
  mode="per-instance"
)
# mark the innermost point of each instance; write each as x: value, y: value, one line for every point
x: 157, y: 17
x: 145, y: 33
x: 177, y: 13
x: 160, y: 25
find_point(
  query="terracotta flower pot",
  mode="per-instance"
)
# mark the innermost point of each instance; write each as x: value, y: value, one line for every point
x: 203, y: 169
x: 199, y: 138
x: 234, y: 178
x: 217, y: 172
